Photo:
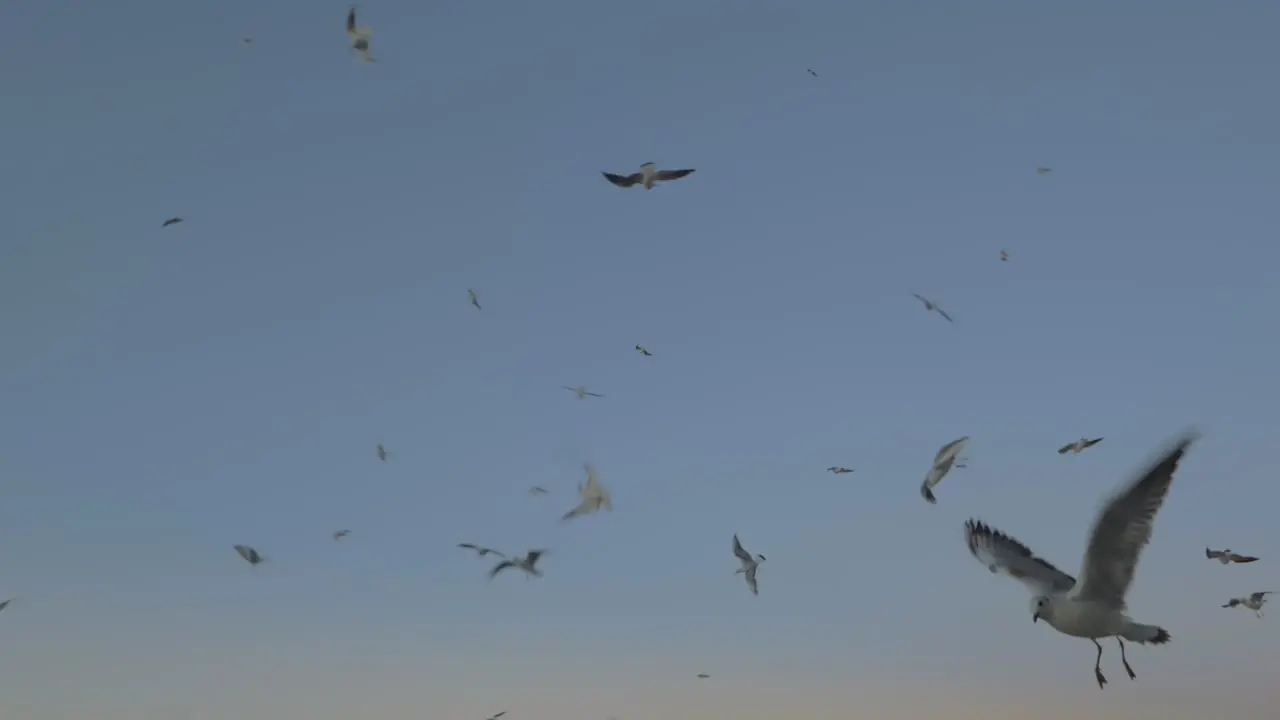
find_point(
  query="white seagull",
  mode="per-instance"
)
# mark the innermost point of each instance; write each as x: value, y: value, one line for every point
x: 480, y: 550
x: 1254, y: 602
x: 1078, y: 446
x: 648, y: 176
x: 359, y: 37
x: 932, y: 306
x: 528, y: 563
x: 580, y: 391
x: 942, y: 464
x: 593, y: 496
x: 1094, y: 607
x: 1226, y: 557
x: 537, y: 490
x: 749, y: 564
x: 339, y: 534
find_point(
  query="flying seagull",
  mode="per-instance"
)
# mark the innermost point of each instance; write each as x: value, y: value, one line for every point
x: 528, y: 563
x: 643, y: 351
x: 382, y: 453
x: 932, y: 306
x: 339, y: 534
x: 581, y: 391
x: 171, y: 221
x: 649, y: 175
x: 942, y: 464
x: 359, y: 37
x: 703, y: 676
x: 838, y: 470
x: 537, y: 490
x: 593, y: 496
x: 246, y: 41
x: 475, y: 299
x: 498, y: 715
x: 1004, y: 256
x: 1078, y: 446
x: 1043, y: 170
x: 5, y: 604
x: 749, y: 564
x: 253, y: 557
x: 1226, y: 557
x: 1094, y: 607
x: 480, y: 550
x: 1254, y: 602
x: 811, y: 72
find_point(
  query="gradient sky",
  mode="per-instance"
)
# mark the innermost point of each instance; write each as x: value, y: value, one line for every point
x: 167, y: 393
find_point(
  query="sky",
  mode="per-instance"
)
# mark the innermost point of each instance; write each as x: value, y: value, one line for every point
x: 166, y: 393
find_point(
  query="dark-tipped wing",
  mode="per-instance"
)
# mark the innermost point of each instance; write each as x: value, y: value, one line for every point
x: 1003, y: 554
x: 665, y: 175
x: 171, y: 221
x: 1091, y: 443
x: 351, y: 21
x: 1123, y: 529
x: 500, y: 567
x: 1233, y: 602
x: 248, y: 554
x: 591, y: 394
x: 741, y: 552
x: 943, y: 313
x: 1243, y: 558
x: 532, y: 557
x: 1259, y: 596
x: 622, y: 181
x: 1066, y: 448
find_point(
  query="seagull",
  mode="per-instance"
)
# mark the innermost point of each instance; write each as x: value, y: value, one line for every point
x: 537, y: 490
x: 475, y: 299
x: 749, y: 564
x: 252, y: 556
x: 359, y: 37
x: 942, y: 464
x: 933, y: 307
x: 480, y: 550
x: 1094, y: 607
x: 1004, y: 256
x: 382, y: 453
x: 246, y: 41
x: 171, y: 221
x: 593, y: 495
x: 811, y: 72
x: 1226, y: 557
x: 581, y: 391
x: 5, y: 604
x: 1254, y: 602
x: 528, y: 563
x: 498, y: 715
x: 649, y: 175
x: 703, y: 676
x: 1078, y: 446
x: 643, y: 351
x: 1043, y: 170
x: 338, y: 535
x: 838, y: 470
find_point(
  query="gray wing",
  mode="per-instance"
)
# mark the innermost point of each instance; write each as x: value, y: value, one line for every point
x: 499, y: 568
x: 1233, y: 602
x: 1123, y: 529
x: 1066, y: 448
x: 591, y: 394
x: 741, y: 553
x: 5, y: 604
x: 751, y: 579
x: 952, y: 450
x: 922, y: 299
x: 622, y: 181
x: 248, y: 553
x: 943, y: 313
x: 1259, y: 596
x: 665, y: 175
x: 1003, y: 554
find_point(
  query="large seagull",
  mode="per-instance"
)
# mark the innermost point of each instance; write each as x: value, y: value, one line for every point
x: 648, y: 176
x: 592, y: 496
x: 1094, y: 607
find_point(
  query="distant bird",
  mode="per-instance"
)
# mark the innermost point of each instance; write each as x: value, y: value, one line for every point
x: 749, y: 564
x: 528, y: 564
x: 253, y: 557
x: 537, y: 490
x: 5, y: 604
x: 643, y: 351
x: 1004, y: 256
x: 475, y: 299
x: 171, y: 221
x: 1254, y: 602
x: 498, y: 715
x: 942, y: 464
x: 1043, y: 170
x: 581, y: 392
x: 1226, y: 557
x: 932, y: 306
x: 339, y: 534
x: 359, y: 37
x: 811, y: 72
x: 593, y: 496
x: 1078, y: 446
x: 649, y: 176
x: 838, y: 470
x: 703, y: 676
x: 246, y: 41
x: 480, y: 550
x: 382, y: 453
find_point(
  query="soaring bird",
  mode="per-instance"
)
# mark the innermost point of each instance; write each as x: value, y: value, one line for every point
x: 537, y: 490
x: 838, y: 470
x: 339, y: 534
x: 1078, y: 446
x: 703, y: 676
x: 480, y: 550
x: 749, y: 564
x: 1004, y: 256
x: 592, y: 496
x: 643, y: 350
x: 528, y: 563
x: 811, y: 72
x: 1254, y: 602
x: 581, y: 391
x: 942, y: 464
x: 1226, y: 557
x: 475, y: 299
x: 1093, y: 607
x: 171, y: 221
x: 5, y: 604
x: 253, y: 557
x: 359, y: 37
x: 495, y: 716
x: 649, y: 175
x: 1043, y: 170
x: 932, y: 306
x: 382, y: 453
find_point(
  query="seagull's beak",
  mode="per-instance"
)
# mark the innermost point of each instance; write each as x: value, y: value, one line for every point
x: 1035, y: 618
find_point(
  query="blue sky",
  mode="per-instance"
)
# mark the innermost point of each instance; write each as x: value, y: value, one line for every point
x: 168, y: 393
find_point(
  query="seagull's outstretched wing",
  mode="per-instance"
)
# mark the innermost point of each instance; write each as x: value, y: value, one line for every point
x: 922, y: 299
x: 1091, y: 443
x: 1243, y: 558
x: 351, y: 21
x: 1260, y: 596
x: 665, y: 175
x: 950, y: 451
x: 1212, y: 554
x: 622, y: 181
x: 591, y: 394
x: 1233, y: 602
x: 1003, y: 554
x: 500, y: 567
x: 594, y: 491
x: 741, y: 553
x: 751, y: 579
x: 1123, y: 529
x: 5, y: 604
x: 1066, y: 448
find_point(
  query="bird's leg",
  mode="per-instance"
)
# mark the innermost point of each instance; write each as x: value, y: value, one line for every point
x: 1097, y: 667
x: 1125, y: 660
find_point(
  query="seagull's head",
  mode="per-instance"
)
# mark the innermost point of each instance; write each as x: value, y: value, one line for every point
x: 1041, y: 607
